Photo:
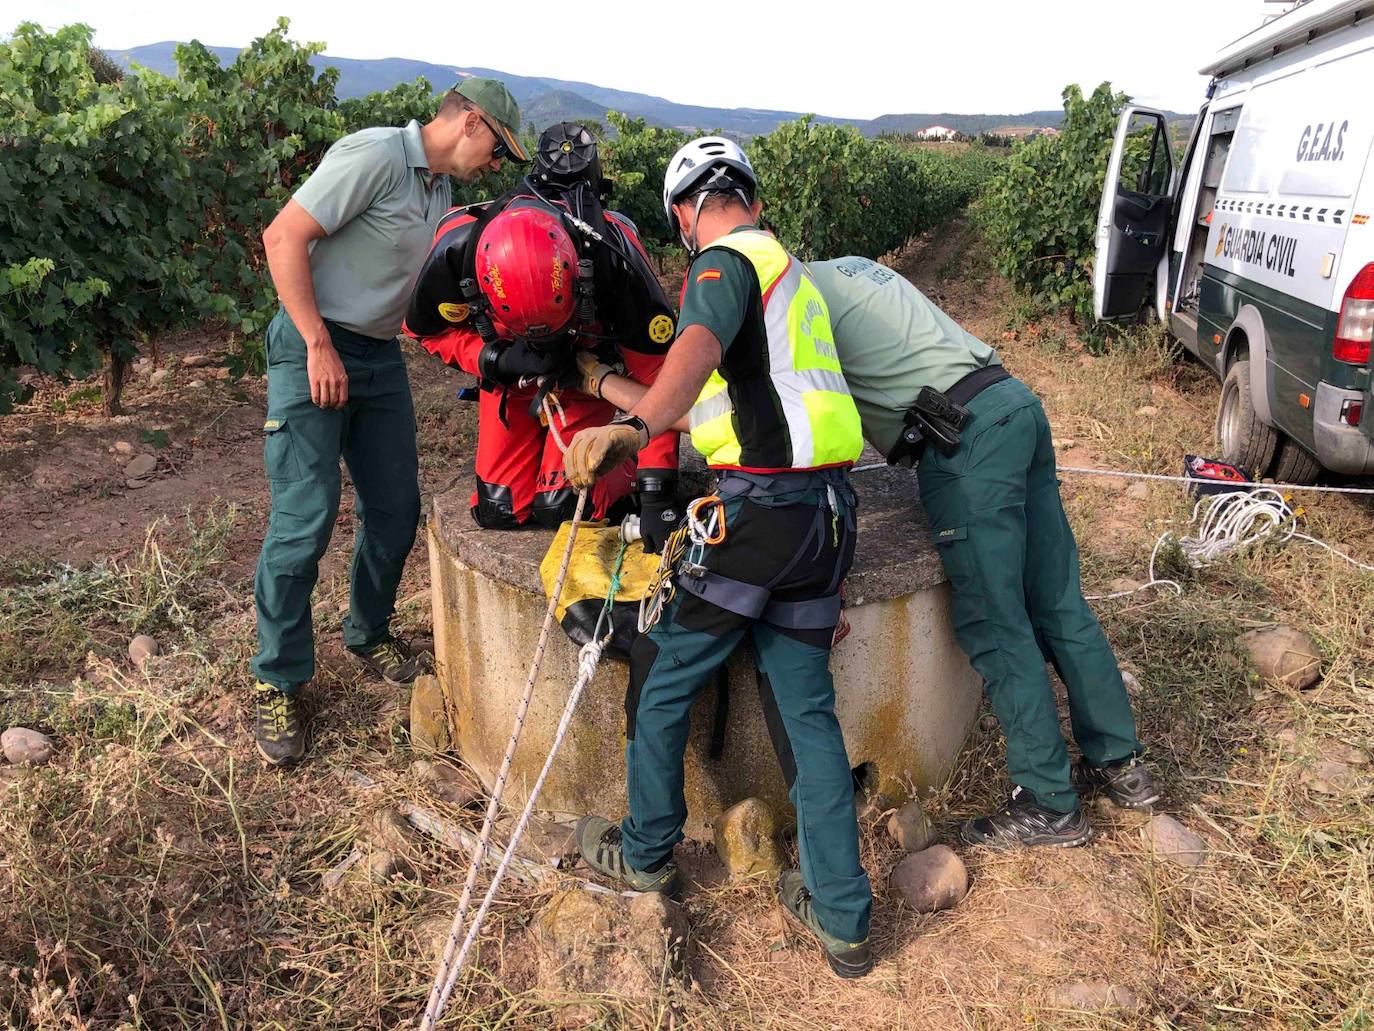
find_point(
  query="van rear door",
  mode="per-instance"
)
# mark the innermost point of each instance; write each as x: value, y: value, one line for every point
x: 1134, y: 216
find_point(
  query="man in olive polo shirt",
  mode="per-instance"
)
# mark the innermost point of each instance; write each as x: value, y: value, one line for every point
x: 344, y: 254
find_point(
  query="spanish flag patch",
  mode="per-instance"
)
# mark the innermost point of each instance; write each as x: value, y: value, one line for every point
x: 710, y: 273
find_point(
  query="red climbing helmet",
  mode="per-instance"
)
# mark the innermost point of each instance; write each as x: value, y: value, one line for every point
x: 526, y: 267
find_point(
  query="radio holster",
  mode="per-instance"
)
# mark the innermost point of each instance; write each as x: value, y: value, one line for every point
x: 934, y: 419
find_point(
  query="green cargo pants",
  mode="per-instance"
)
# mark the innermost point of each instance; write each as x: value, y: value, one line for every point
x: 375, y: 434
x: 1012, y: 562
x: 671, y: 664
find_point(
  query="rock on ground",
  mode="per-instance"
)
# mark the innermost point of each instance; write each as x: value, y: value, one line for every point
x: 931, y: 880
x: 1093, y: 996
x: 544, y: 841
x: 606, y: 944
x: 1283, y: 656
x: 911, y: 828
x: 747, y: 840
x: 141, y: 648
x: 428, y: 715
x: 26, y: 747
x: 1138, y: 490
x: 140, y: 466
x: 452, y: 785
x: 1170, y: 840
x: 1329, y: 777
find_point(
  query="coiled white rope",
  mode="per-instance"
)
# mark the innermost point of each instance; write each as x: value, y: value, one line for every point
x: 1229, y: 522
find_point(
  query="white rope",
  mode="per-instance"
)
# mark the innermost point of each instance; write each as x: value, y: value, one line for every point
x: 1230, y: 522
x: 447, y: 974
x: 1117, y: 474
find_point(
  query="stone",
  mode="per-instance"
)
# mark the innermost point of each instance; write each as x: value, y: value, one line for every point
x: 911, y: 828
x: 141, y: 648
x: 606, y: 944
x: 1124, y: 585
x: 931, y: 880
x: 452, y: 785
x: 221, y: 373
x: 197, y: 361
x: 989, y: 722
x: 1147, y: 411
x: 1329, y: 777
x: 746, y: 838
x: 1170, y: 840
x: 1067, y: 444
x: 387, y: 830
x: 544, y: 841
x: 135, y: 484
x: 429, y: 727
x: 382, y: 867
x: 1094, y: 996
x: 26, y: 747
x: 156, y: 377
x: 1283, y: 656
x: 123, y: 447
x: 196, y: 384
x: 140, y: 466
x: 1139, y: 490
x: 1131, y: 681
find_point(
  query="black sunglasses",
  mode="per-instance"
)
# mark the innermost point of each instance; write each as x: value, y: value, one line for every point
x: 501, y: 149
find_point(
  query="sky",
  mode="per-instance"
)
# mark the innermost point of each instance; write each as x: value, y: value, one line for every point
x: 854, y: 60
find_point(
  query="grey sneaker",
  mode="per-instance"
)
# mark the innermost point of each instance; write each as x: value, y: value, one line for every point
x: 848, y: 959
x: 1021, y: 821
x: 390, y: 659
x: 278, y: 732
x: 599, y: 842
x: 1128, y: 783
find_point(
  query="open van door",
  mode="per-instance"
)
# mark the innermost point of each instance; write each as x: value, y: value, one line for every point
x: 1133, y: 218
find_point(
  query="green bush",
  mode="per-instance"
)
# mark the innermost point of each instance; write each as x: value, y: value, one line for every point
x: 1041, y: 211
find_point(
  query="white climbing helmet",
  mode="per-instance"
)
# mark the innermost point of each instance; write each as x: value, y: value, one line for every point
x: 708, y: 164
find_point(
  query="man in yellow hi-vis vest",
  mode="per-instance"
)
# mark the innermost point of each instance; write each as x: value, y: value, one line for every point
x: 754, y: 368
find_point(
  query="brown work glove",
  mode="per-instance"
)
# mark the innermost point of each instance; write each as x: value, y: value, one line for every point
x: 597, y: 451
x: 591, y: 370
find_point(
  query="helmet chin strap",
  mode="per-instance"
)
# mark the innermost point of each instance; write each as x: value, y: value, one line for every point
x: 691, y: 243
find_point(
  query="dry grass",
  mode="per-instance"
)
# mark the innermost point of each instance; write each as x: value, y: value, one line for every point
x: 156, y: 876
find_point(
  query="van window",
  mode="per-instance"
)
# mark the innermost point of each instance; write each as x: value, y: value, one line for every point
x: 1247, y: 170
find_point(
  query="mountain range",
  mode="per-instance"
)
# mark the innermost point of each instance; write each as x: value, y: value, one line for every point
x: 546, y: 100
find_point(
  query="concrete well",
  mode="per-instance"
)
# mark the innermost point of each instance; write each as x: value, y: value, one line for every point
x: 906, y: 695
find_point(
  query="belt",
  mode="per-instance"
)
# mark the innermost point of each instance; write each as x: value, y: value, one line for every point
x: 966, y: 389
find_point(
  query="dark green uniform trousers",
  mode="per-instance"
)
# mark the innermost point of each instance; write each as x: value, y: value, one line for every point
x: 1010, y: 555
x: 672, y: 663
x: 375, y: 434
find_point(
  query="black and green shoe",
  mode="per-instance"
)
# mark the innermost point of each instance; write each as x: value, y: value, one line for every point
x: 1022, y: 821
x: 280, y: 737
x: 848, y: 959
x: 1128, y: 784
x: 391, y: 659
x: 598, y: 839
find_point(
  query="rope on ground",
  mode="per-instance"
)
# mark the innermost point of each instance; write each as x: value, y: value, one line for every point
x: 1123, y: 475
x: 1228, y: 522
x: 447, y: 974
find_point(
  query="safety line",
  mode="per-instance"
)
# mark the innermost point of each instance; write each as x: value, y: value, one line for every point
x: 1081, y: 470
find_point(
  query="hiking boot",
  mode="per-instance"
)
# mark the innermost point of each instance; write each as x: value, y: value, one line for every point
x: 599, y: 842
x: 280, y: 738
x: 390, y: 659
x: 1127, y: 783
x: 1021, y: 821
x: 847, y: 959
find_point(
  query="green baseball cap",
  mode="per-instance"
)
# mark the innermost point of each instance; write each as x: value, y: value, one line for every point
x: 493, y: 98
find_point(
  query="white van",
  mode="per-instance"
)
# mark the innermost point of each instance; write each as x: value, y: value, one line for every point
x: 1259, y: 246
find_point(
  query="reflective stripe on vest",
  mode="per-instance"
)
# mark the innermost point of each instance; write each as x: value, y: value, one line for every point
x: 823, y: 426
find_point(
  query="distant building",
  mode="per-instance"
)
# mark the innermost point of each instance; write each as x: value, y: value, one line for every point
x: 938, y: 132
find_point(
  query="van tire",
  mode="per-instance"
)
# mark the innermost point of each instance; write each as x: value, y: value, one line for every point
x: 1245, y: 440
x: 1294, y: 465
